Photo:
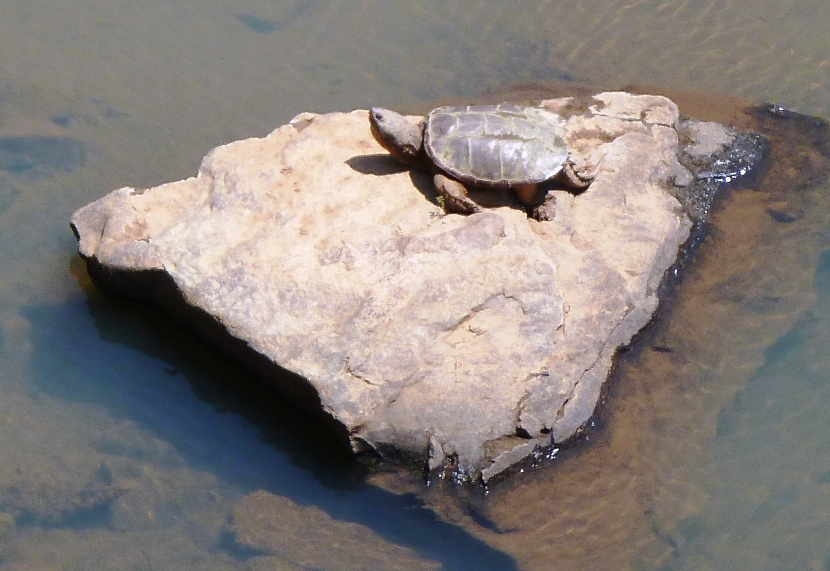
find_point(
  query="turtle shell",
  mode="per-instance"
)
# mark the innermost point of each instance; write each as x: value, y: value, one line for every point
x: 496, y: 145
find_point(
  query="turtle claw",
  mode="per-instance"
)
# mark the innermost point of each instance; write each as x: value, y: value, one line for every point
x: 545, y: 212
x: 453, y: 195
x: 576, y: 180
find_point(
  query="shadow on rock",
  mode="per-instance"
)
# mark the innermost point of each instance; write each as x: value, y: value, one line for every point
x: 378, y: 164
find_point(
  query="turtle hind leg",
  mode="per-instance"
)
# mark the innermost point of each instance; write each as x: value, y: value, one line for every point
x: 545, y: 211
x: 454, y: 196
x: 528, y: 194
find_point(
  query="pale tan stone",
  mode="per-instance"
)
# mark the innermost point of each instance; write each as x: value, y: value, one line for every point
x: 472, y: 339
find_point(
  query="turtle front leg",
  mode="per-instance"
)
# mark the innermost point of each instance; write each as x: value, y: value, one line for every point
x: 453, y: 195
x: 573, y: 178
x: 576, y: 180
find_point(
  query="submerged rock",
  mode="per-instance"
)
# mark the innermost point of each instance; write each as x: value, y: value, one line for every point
x: 473, y: 341
x: 39, y: 156
x: 285, y: 535
x: 35, y: 501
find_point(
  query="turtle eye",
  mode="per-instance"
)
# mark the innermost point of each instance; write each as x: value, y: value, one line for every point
x: 377, y: 114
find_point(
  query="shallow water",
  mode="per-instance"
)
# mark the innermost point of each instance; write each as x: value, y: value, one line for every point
x: 126, y: 444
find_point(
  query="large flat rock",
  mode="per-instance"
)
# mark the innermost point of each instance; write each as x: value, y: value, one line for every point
x: 468, y: 340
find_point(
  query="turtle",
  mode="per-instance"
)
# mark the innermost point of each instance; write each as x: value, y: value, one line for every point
x: 504, y: 146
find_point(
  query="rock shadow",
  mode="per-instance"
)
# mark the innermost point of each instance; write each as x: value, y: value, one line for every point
x: 380, y: 164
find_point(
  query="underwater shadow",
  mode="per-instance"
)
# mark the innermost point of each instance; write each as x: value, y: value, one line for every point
x: 139, y: 365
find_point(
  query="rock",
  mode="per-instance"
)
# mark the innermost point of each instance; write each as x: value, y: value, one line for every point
x: 6, y: 524
x: 39, y: 156
x: 473, y: 340
x: 290, y: 536
x: 36, y: 501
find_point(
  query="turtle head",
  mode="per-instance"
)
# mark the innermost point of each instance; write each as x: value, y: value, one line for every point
x: 403, y: 139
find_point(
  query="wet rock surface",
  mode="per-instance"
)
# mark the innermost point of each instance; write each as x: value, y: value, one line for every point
x: 471, y: 341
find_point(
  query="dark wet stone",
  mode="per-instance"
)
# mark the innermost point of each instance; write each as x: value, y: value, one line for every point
x: 784, y: 215
x: 735, y: 164
x: 263, y: 26
x: 783, y: 113
x: 63, y: 120
x: 805, y: 138
x: 738, y: 160
x: 38, y: 156
x: 258, y: 25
